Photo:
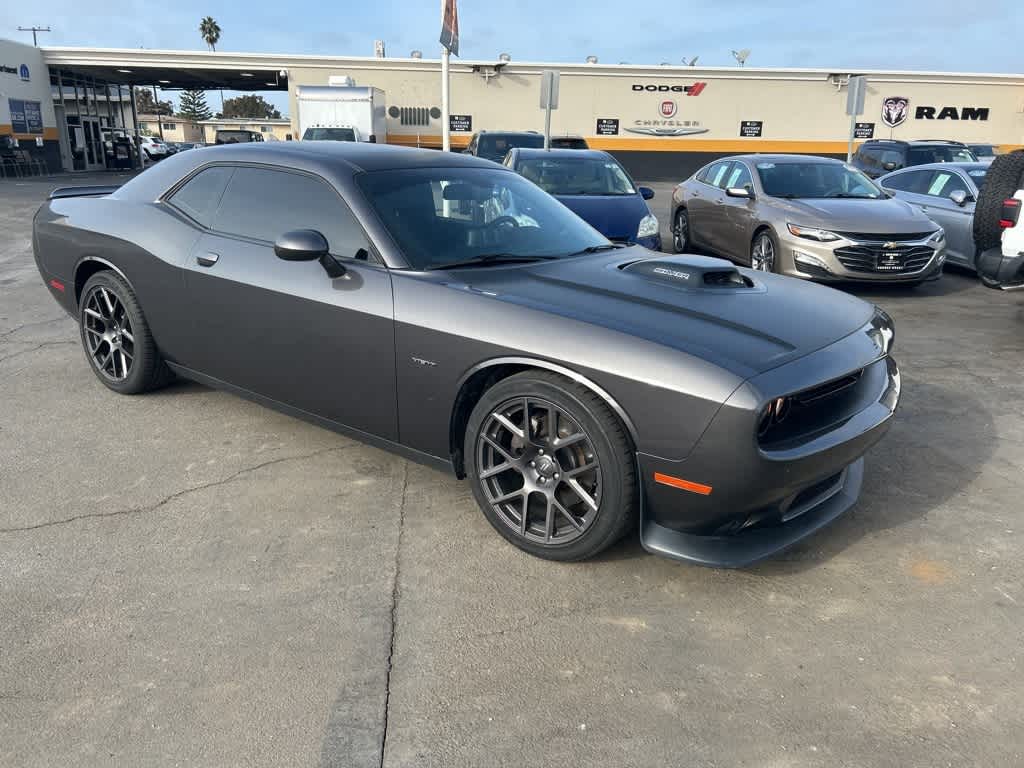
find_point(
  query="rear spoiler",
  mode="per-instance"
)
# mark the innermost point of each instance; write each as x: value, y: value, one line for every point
x: 91, y: 191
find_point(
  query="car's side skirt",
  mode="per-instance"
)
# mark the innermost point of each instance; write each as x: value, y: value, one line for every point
x: 436, y: 462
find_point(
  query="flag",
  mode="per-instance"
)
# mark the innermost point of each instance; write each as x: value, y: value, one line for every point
x: 450, y: 25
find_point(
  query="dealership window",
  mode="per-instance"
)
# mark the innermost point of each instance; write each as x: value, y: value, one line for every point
x: 170, y: 126
x: 260, y: 203
x: 143, y: 126
x: 265, y: 128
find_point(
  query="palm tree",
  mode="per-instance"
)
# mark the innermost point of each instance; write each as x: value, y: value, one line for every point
x: 210, y: 30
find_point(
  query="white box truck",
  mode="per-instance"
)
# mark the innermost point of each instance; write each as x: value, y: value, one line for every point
x: 341, y: 113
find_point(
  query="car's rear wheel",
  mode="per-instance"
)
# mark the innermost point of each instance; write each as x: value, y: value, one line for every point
x: 551, y: 466
x: 681, y: 231
x: 116, y: 336
x: 764, y: 251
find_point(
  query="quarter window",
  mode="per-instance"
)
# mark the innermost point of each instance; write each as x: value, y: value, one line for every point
x: 264, y: 204
x: 199, y: 197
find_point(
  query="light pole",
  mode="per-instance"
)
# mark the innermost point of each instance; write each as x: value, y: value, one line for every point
x: 34, y: 30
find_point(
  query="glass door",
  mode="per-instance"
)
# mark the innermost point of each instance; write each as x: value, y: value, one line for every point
x: 94, y: 155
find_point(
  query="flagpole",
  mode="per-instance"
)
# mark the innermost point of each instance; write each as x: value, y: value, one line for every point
x: 446, y: 139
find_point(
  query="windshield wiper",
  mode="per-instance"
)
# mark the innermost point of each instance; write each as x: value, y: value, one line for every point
x: 487, y: 259
x: 595, y: 249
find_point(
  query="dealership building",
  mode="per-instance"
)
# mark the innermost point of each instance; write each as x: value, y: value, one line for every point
x: 60, y: 105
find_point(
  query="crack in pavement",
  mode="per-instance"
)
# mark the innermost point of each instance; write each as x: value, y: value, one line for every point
x: 395, y: 590
x: 17, y: 328
x: 176, y: 495
x: 36, y: 347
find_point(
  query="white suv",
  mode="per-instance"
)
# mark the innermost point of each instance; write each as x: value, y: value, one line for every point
x: 152, y: 148
x: 999, y: 225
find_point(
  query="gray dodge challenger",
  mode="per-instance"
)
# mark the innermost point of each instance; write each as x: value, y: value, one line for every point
x: 445, y: 308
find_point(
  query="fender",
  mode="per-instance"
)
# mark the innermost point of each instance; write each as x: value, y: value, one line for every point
x: 102, y: 261
x: 534, y: 362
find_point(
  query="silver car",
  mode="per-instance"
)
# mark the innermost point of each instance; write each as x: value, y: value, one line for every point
x: 946, y: 193
x: 805, y: 216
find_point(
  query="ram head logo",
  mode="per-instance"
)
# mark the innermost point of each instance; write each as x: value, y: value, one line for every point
x: 895, y: 110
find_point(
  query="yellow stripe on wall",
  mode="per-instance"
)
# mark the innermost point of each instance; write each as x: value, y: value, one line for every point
x: 49, y: 134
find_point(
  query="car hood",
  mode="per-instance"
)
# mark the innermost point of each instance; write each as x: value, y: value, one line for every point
x: 744, y: 329
x: 617, y: 217
x: 885, y: 216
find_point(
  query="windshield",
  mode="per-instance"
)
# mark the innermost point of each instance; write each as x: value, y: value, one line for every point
x: 939, y: 154
x: 446, y: 215
x: 495, y: 146
x: 329, y: 134
x: 233, y: 137
x: 815, y: 179
x: 576, y: 175
x: 568, y: 142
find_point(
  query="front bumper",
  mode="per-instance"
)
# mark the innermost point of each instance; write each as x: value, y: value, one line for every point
x: 810, y: 259
x: 1001, y: 271
x: 758, y: 499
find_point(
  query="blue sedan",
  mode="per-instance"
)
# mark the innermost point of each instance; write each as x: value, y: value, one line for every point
x: 595, y: 187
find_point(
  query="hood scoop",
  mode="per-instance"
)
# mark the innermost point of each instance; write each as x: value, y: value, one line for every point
x: 694, y: 273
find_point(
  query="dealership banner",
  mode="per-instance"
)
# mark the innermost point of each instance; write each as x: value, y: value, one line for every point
x: 450, y: 25
x: 26, y: 116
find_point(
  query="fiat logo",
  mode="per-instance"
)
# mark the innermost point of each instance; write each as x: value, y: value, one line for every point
x: 668, y: 108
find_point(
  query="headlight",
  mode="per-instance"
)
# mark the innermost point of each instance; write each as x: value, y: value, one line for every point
x: 810, y: 233
x: 648, y: 226
x: 939, y: 236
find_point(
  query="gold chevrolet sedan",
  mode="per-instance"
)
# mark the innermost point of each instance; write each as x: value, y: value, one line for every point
x: 805, y: 216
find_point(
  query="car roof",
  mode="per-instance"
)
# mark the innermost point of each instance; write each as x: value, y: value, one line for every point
x: 781, y: 158
x: 508, y: 133
x: 554, y: 154
x: 915, y: 143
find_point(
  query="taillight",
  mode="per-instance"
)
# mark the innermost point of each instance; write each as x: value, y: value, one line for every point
x: 1011, y: 212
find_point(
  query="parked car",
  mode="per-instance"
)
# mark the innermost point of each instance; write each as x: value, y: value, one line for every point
x: 880, y: 156
x: 805, y: 216
x: 985, y: 153
x: 331, y: 133
x: 152, y: 148
x: 569, y: 142
x: 494, y: 145
x: 595, y: 187
x: 999, y: 226
x: 946, y: 194
x: 444, y: 307
x: 233, y: 136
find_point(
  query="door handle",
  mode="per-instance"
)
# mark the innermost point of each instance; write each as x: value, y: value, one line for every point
x: 207, y: 259
x: 719, y: 202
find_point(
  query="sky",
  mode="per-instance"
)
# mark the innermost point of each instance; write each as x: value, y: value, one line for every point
x: 842, y: 34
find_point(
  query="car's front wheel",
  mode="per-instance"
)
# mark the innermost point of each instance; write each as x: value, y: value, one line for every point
x: 116, y: 337
x: 681, y: 231
x: 551, y: 466
x: 764, y: 252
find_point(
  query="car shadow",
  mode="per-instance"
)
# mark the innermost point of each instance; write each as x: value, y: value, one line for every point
x: 950, y: 283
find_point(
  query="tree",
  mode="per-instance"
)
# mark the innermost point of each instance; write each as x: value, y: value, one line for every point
x: 250, y: 106
x: 210, y: 31
x: 145, y: 104
x: 192, y: 104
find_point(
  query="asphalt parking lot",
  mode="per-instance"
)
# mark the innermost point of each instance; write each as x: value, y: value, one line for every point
x: 187, y: 578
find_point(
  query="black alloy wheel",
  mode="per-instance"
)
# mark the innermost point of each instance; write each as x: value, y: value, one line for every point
x: 116, y: 336
x: 680, y: 231
x: 551, y: 466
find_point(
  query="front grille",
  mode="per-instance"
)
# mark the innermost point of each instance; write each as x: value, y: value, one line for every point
x: 834, y: 387
x: 906, y: 237
x: 877, y: 259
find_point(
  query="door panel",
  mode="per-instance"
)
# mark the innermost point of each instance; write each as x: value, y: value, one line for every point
x: 287, y: 331
x: 958, y: 223
x: 704, y: 204
x: 737, y: 216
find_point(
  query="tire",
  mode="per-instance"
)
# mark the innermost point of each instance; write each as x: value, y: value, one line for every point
x: 1005, y: 176
x: 601, y: 464
x: 680, y: 243
x: 756, y: 262
x: 116, y: 337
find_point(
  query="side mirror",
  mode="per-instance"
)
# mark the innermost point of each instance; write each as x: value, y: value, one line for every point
x: 959, y: 197
x: 646, y: 193
x: 744, y: 192
x: 301, y: 245
x: 890, y: 166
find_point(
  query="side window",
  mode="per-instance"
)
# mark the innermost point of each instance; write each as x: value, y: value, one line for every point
x: 199, y: 197
x: 716, y: 173
x: 911, y: 181
x: 738, y: 176
x: 944, y: 183
x: 264, y: 204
